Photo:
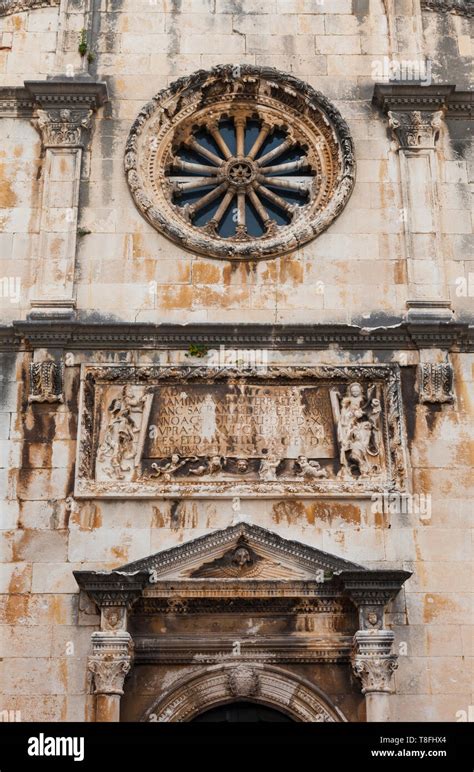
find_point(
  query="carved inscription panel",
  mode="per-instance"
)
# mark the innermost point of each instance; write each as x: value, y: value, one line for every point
x: 197, y: 431
x: 246, y: 420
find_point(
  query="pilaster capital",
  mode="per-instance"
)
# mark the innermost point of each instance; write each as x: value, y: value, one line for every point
x: 416, y: 110
x: 63, y: 127
x: 110, y: 661
x: 416, y: 129
x: 372, y: 660
x: 63, y: 109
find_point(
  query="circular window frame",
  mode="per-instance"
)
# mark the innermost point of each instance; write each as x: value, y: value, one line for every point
x: 207, y: 96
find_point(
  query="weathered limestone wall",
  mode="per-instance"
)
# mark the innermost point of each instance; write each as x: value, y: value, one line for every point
x: 125, y: 270
x: 46, y: 535
x: 355, y: 272
x: 28, y: 42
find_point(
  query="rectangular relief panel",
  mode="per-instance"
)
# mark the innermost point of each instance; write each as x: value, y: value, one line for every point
x: 205, y: 431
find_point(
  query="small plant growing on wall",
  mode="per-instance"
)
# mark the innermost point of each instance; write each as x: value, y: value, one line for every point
x: 197, y: 350
x: 82, y: 48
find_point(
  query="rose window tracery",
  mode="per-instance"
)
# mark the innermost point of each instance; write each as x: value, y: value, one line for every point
x: 240, y: 162
x: 240, y: 178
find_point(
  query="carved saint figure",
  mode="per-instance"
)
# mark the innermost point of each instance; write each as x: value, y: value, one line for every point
x: 309, y: 469
x: 357, y: 418
x: 120, y: 435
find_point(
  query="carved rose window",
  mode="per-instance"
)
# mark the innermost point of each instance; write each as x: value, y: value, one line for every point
x: 240, y: 162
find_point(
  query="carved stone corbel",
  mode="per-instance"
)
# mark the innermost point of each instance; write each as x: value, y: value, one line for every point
x: 372, y: 659
x: 46, y: 381
x: 435, y: 382
x: 112, y: 646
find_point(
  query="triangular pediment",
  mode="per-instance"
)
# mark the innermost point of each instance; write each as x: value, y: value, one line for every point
x: 242, y: 551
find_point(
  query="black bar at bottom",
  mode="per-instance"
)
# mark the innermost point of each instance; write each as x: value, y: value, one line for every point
x: 87, y: 746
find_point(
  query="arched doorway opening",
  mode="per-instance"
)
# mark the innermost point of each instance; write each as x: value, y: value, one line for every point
x: 241, y: 712
x: 217, y: 686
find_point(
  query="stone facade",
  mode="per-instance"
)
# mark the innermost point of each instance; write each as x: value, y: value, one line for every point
x: 236, y: 465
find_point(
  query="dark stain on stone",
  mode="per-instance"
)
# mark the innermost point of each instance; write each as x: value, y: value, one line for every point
x: 431, y: 415
x: 72, y: 386
x: 410, y: 401
x: 43, y: 426
x: 377, y: 319
x: 70, y: 488
x: 174, y: 514
x: 173, y: 34
x: 360, y: 8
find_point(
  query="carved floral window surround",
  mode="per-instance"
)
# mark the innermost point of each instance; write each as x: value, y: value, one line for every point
x: 240, y: 162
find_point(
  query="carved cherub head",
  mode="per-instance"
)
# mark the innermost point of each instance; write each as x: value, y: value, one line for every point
x: 241, y: 557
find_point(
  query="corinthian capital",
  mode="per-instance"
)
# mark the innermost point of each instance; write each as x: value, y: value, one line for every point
x: 375, y: 673
x: 63, y: 127
x: 63, y: 109
x: 416, y: 129
x: 372, y: 660
x: 110, y: 661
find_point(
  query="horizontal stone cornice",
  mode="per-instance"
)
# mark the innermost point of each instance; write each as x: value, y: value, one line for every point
x: 63, y: 93
x: 74, y: 335
x: 407, y: 97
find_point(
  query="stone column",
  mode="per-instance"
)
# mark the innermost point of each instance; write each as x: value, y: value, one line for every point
x: 372, y: 658
x: 112, y: 647
x: 64, y: 108
x: 373, y: 663
x: 109, y: 663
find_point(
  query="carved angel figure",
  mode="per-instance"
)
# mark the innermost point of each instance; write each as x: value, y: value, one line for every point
x: 309, y: 469
x: 357, y: 418
x: 267, y: 469
x: 240, y: 561
x: 169, y: 469
x: 212, y: 465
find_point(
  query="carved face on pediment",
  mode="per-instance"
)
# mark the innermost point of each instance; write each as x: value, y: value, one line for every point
x: 241, y: 552
x: 238, y: 562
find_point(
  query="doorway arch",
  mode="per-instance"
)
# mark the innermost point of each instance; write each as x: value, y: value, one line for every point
x: 251, y: 682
